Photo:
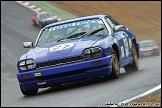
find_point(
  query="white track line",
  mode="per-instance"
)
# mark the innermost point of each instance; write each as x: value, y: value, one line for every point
x: 139, y: 96
x: 26, y: 4
x: 33, y: 7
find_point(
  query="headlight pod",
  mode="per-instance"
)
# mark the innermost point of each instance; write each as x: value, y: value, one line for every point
x: 27, y: 64
x: 91, y: 53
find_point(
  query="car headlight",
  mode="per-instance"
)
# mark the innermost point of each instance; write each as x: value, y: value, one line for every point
x: 27, y: 64
x: 91, y: 53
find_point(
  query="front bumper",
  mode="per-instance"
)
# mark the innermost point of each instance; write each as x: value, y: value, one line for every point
x: 66, y: 73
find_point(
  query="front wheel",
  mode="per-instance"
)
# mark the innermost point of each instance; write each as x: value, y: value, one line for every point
x: 29, y: 92
x: 115, y: 66
x: 135, y: 65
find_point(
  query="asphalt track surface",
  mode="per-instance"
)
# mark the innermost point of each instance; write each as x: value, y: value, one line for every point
x: 16, y: 27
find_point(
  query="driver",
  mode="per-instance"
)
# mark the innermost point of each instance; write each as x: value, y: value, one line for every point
x: 55, y: 35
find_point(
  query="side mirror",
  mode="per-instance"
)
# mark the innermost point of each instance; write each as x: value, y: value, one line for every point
x: 27, y: 44
x: 119, y: 28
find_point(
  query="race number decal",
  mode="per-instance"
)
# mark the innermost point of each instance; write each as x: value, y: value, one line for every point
x: 61, y: 47
x: 126, y: 46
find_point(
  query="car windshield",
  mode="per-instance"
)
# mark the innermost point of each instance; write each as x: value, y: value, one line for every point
x: 149, y: 43
x: 45, y: 15
x: 71, y: 30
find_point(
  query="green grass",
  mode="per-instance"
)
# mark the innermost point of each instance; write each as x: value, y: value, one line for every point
x: 51, y: 8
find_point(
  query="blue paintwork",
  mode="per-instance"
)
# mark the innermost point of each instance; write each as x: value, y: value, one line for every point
x: 40, y: 54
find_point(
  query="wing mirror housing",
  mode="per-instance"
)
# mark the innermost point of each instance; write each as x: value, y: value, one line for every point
x: 118, y: 28
x: 27, y: 44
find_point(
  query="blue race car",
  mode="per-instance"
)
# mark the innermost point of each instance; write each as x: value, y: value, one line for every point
x: 77, y: 49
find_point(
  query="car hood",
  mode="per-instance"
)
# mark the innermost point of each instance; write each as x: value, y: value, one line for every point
x: 62, y: 49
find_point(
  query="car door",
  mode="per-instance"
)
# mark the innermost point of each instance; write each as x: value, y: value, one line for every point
x: 123, y: 39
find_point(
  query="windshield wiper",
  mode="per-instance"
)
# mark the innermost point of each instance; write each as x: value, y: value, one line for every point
x: 76, y: 35
x: 94, y: 32
x: 61, y: 39
x: 83, y: 34
x: 72, y: 36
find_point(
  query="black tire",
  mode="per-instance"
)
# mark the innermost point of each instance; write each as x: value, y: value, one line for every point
x: 29, y: 92
x: 135, y: 64
x: 115, y: 66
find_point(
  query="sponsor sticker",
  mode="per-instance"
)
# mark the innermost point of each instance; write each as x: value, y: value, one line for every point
x: 61, y: 47
x: 75, y: 24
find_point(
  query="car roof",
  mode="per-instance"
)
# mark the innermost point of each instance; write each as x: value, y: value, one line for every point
x: 77, y: 19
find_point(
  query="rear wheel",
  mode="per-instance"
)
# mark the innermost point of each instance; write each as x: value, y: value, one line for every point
x: 115, y: 66
x: 135, y: 65
x: 28, y: 92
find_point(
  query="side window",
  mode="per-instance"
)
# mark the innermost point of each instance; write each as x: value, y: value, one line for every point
x: 115, y: 22
x: 111, y: 22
